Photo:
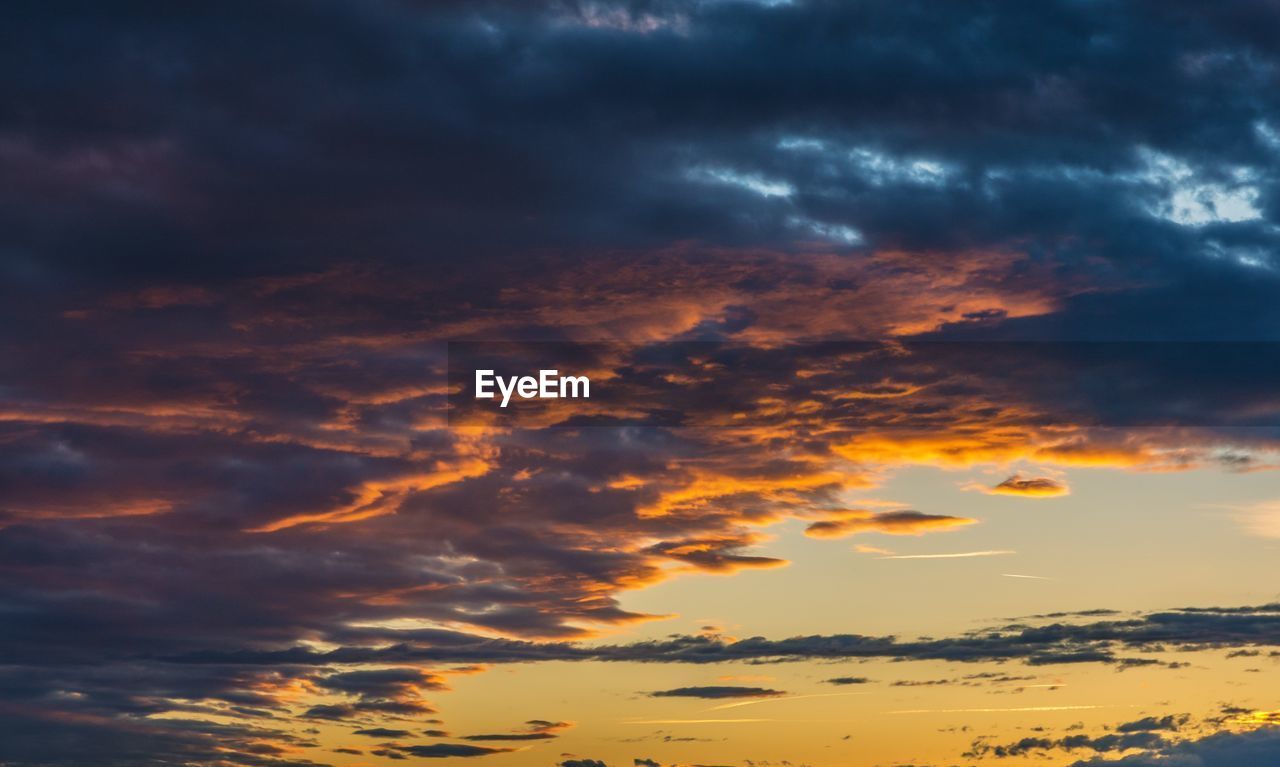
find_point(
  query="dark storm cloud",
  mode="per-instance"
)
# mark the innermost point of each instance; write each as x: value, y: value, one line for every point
x: 382, y: 683
x: 216, y: 136
x: 27, y: 737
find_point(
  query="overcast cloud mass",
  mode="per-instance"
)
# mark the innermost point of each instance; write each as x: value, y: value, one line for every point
x: 238, y: 526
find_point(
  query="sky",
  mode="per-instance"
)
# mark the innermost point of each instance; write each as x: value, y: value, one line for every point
x: 933, y: 351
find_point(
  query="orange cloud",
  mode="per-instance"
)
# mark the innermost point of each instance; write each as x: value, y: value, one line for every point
x: 716, y: 555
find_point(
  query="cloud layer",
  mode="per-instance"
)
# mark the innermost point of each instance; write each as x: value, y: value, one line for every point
x: 236, y: 241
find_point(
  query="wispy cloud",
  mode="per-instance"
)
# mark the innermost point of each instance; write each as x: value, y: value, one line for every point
x: 1260, y: 519
x: 863, y: 548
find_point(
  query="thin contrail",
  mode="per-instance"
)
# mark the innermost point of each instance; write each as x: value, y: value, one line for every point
x: 697, y: 721
x: 993, y: 710
x: 961, y: 555
x: 784, y: 697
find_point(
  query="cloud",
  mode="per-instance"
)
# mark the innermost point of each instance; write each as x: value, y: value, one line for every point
x: 1031, y: 746
x: 230, y: 481
x: 854, y: 521
x: 719, y: 555
x: 390, y: 690
x: 448, y: 750
x: 382, y: 683
x: 1171, y: 723
x: 848, y: 680
x: 1032, y: 487
x: 26, y: 739
x: 1224, y: 749
x: 1040, y: 640
x: 863, y: 548
x: 1261, y: 519
x: 717, y: 692
x: 535, y: 729
x: 382, y: 732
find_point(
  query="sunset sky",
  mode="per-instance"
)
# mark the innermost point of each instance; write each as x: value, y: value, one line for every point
x: 935, y: 363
